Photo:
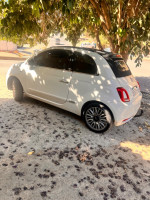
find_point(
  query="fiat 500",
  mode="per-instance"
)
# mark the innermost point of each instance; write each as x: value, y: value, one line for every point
x: 96, y: 85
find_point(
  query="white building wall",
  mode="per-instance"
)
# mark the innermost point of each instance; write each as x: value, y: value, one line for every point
x: 7, y: 46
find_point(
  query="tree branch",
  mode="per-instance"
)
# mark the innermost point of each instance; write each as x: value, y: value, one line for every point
x: 96, y: 6
x: 97, y: 38
x: 120, y: 12
x: 130, y: 10
x: 119, y: 18
x: 106, y: 14
x: 105, y: 19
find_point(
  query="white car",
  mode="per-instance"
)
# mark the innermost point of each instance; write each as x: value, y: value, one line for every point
x: 94, y: 84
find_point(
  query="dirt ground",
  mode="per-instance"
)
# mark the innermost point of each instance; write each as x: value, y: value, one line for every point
x: 47, y: 153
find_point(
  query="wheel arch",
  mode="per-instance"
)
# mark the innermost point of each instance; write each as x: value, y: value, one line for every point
x: 94, y: 101
x: 10, y: 80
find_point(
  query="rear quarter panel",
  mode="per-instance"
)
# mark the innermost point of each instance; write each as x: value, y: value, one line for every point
x: 85, y: 87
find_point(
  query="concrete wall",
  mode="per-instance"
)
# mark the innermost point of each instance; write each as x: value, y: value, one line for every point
x: 7, y: 46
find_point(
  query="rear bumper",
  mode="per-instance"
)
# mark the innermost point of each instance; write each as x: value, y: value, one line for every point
x: 127, y: 111
x: 123, y: 122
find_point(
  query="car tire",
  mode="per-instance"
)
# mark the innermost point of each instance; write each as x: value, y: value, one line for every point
x: 17, y: 90
x: 97, y: 117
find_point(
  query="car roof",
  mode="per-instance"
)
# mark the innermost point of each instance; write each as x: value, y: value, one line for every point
x: 72, y: 47
x: 101, y: 52
x: 105, y: 54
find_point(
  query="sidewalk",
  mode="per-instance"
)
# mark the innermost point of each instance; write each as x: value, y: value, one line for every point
x: 14, y: 55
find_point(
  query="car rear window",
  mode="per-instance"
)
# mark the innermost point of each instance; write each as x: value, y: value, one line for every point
x: 119, y: 67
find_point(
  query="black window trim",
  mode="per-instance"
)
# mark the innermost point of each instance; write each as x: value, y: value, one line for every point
x: 96, y: 74
x: 70, y: 69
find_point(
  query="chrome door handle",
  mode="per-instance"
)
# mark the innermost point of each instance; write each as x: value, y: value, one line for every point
x: 64, y: 81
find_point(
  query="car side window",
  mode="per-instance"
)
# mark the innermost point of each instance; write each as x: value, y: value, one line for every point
x: 84, y: 64
x: 59, y: 59
x: 40, y: 59
x: 55, y: 58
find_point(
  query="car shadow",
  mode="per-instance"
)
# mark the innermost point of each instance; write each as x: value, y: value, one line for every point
x: 144, y: 83
x: 60, y: 111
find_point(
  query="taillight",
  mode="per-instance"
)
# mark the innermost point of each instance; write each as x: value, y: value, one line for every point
x: 124, y: 96
x: 139, y: 85
x: 119, y: 56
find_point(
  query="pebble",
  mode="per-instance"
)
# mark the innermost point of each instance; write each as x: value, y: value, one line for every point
x: 1, y: 153
x: 44, y: 194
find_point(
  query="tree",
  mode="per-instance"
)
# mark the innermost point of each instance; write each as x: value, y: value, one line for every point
x: 125, y: 23
x: 17, y: 22
x: 74, y: 21
x: 28, y: 21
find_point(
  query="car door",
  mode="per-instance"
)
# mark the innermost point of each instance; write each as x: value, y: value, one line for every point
x: 83, y: 77
x: 52, y: 75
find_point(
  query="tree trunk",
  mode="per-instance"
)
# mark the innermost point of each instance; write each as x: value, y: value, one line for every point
x: 124, y: 56
x: 99, y: 45
x: 74, y: 43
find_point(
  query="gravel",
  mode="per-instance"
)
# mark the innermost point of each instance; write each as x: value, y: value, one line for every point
x: 50, y: 154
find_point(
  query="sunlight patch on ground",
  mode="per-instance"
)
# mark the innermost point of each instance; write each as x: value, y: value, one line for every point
x: 142, y: 150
